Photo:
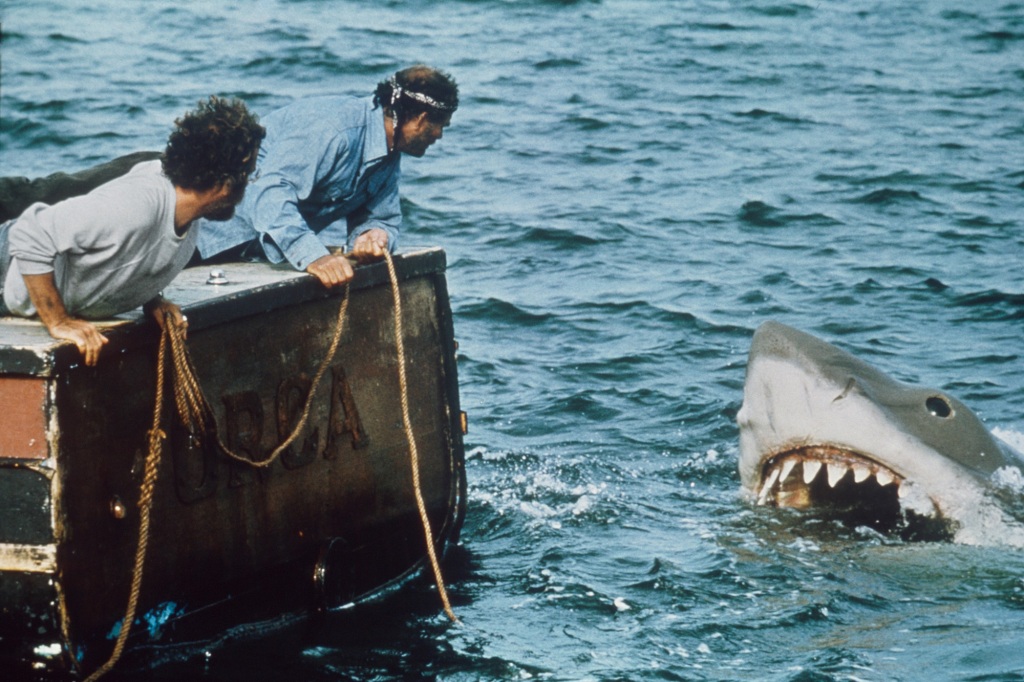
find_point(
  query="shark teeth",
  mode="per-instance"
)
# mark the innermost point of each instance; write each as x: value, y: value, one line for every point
x: 783, y: 486
x: 835, y: 473
x: 787, y: 468
x: 773, y: 476
x: 811, y: 469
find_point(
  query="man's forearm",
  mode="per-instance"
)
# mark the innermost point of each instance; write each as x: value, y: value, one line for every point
x: 42, y: 290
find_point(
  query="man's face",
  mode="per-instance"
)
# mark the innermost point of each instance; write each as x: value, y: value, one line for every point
x: 224, y: 207
x: 231, y: 192
x: 419, y: 133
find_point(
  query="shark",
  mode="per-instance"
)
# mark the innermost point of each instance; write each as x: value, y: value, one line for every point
x: 820, y: 429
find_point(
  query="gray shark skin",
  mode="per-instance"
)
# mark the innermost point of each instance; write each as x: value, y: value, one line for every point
x: 821, y: 429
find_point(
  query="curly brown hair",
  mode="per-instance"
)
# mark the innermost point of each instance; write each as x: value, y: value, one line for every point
x: 216, y: 143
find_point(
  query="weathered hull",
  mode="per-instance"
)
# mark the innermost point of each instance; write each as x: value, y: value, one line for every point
x: 333, y: 520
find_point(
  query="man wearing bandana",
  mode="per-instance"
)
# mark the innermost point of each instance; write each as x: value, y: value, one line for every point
x: 327, y: 175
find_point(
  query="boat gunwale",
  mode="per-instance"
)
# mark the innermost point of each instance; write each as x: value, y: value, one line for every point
x: 26, y: 349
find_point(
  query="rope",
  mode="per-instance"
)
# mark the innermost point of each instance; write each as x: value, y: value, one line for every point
x: 195, y: 410
x: 156, y: 437
x: 413, y: 454
x: 196, y: 414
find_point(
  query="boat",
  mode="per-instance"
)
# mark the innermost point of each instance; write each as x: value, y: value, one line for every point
x: 332, y: 522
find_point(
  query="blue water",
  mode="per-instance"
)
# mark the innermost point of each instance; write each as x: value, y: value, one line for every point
x: 629, y: 189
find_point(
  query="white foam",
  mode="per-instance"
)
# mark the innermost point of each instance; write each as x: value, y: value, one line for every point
x: 1013, y: 438
x: 1010, y: 478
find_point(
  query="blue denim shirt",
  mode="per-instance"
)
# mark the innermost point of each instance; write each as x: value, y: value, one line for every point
x: 323, y: 158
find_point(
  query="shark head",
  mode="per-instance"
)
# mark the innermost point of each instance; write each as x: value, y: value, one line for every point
x: 820, y: 428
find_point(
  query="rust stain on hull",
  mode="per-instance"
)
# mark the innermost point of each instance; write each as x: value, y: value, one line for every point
x: 23, y: 405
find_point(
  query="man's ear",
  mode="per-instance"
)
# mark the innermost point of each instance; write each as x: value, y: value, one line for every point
x: 222, y: 190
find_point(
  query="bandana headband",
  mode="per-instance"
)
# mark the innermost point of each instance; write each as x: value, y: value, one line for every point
x: 397, y: 91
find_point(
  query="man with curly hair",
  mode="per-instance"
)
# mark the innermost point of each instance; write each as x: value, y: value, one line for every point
x: 115, y: 248
x: 328, y: 174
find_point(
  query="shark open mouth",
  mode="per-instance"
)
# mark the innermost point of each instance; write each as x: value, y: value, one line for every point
x: 851, y: 487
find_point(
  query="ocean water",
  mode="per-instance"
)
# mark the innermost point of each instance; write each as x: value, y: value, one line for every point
x: 629, y: 188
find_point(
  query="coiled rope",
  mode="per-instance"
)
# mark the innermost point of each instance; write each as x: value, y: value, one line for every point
x: 195, y: 412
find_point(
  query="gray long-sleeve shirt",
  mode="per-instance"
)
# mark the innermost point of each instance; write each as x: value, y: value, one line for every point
x: 110, y: 250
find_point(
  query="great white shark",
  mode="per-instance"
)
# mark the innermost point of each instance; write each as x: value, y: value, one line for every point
x: 821, y: 429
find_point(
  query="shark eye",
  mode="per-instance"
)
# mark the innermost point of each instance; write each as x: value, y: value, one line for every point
x: 938, y: 407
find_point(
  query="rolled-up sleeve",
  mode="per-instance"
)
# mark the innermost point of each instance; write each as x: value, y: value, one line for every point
x: 35, y: 241
x: 384, y: 209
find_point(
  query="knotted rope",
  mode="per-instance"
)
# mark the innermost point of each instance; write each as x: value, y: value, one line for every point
x: 196, y: 414
x: 156, y: 438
